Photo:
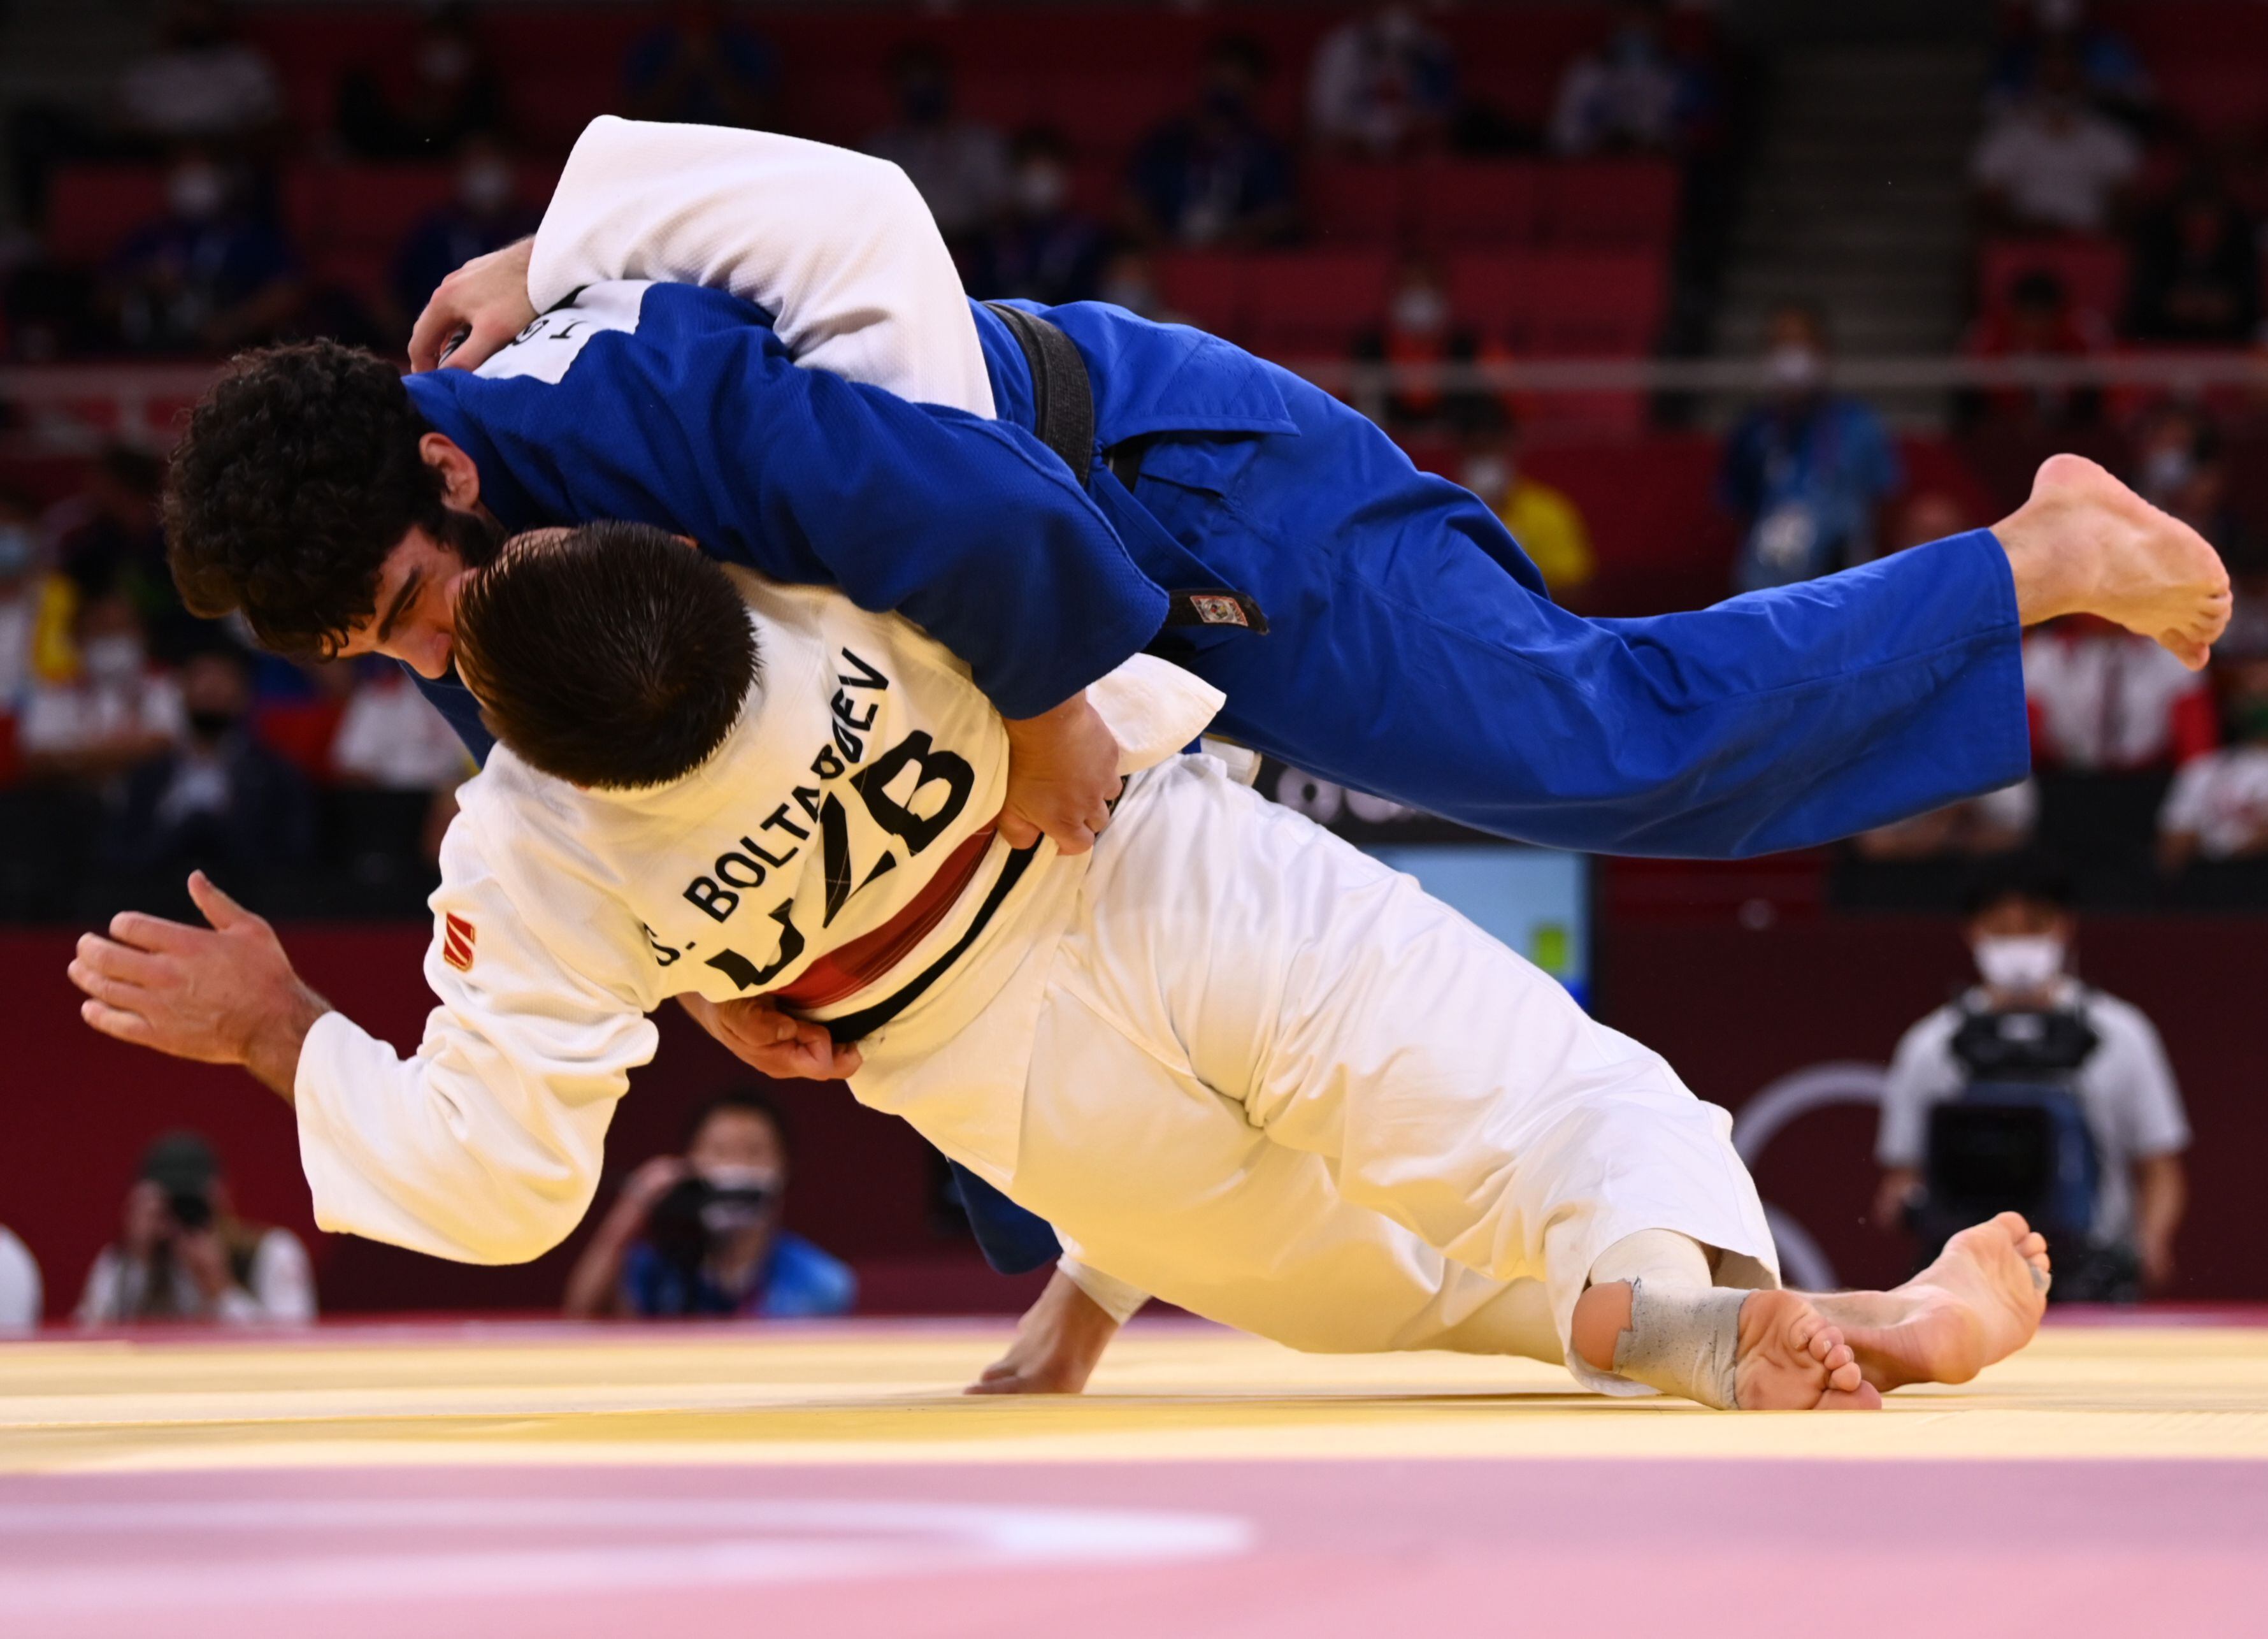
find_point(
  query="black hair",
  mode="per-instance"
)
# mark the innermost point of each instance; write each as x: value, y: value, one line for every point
x: 611, y: 655
x: 748, y: 1101
x: 2037, y: 876
x: 298, y: 472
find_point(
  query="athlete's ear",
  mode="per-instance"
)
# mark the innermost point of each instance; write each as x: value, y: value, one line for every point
x: 461, y: 480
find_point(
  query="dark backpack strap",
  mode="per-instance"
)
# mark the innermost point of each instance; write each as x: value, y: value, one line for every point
x: 1063, y: 397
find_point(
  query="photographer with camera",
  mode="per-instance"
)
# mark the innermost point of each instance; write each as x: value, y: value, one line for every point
x: 2035, y: 1092
x: 699, y: 1235
x: 183, y: 1254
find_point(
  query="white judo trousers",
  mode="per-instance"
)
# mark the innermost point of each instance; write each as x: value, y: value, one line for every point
x: 1274, y: 1082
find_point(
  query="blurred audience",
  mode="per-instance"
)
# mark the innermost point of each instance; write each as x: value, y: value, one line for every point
x: 210, y: 275
x: 702, y: 66
x: 2031, y: 1038
x: 183, y: 1254
x: 1382, y: 85
x: 216, y: 799
x: 200, y: 84
x: 1043, y: 247
x: 1546, y: 521
x: 390, y: 737
x: 487, y: 214
x: 21, y: 1293
x: 2197, y: 269
x: 1214, y: 175
x: 2000, y: 821
x: 36, y: 608
x: 1809, y: 472
x: 1130, y: 280
x: 2105, y: 701
x: 2038, y: 322
x: 2217, y: 808
x: 699, y: 1233
x: 2112, y: 74
x: 110, y: 538
x: 1632, y: 95
x: 2179, y: 466
x: 2050, y: 163
x: 960, y: 165
x: 1419, y: 330
x: 455, y: 91
x: 115, y: 710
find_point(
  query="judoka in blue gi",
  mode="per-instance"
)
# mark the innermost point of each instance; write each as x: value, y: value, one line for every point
x: 761, y: 344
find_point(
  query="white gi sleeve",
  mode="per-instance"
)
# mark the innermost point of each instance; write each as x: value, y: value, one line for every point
x: 485, y: 1146
x: 837, y: 246
x: 1112, y: 1296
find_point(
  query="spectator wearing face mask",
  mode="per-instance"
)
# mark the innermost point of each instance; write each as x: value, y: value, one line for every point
x: 1042, y: 248
x: 1809, y: 472
x: 2027, y: 1016
x: 208, y: 275
x: 959, y: 166
x: 183, y: 1254
x: 2217, y: 807
x: 1381, y: 86
x: 36, y: 607
x: 1546, y: 521
x: 487, y: 214
x: 699, y: 1233
x: 115, y: 711
x: 455, y: 94
x: 1214, y: 175
x: 217, y: 799
x: 2051, y: 164
x: 1630, y: 96
x: 1417, y: 331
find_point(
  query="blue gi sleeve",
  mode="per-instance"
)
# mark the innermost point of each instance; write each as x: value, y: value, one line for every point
x: 1013, y: 1240
x: 697, y: 421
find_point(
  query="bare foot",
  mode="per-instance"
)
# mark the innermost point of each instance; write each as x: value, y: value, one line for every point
x: 1059, y: 1344
x: 1979, y: 1302
x: 1792, y: 1358
x: 2085, y: 545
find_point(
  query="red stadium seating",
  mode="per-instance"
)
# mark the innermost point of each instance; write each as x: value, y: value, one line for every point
x: 92, y: 208
x: 1613, y: 202
x: 1207, y: 287
x: 1604, y: 303
x: 1310, y: 302
x: 1489, y: 289
x: 1358, y: 202
x: 1463, y: 202
x: 2093, y: 270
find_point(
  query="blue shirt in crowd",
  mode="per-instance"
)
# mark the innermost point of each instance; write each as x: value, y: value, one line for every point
x: 797, y: 1282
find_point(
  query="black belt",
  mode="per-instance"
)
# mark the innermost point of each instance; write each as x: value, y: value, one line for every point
x: 1063, y: 419
x: 857, y: 1026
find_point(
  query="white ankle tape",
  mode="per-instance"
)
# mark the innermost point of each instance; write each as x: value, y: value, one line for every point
x: 1683, y: 1341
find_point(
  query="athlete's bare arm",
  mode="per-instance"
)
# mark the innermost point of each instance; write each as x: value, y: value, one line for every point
x: 223, y: 994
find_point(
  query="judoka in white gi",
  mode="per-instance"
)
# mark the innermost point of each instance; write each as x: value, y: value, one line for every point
x: 1236, y: 1062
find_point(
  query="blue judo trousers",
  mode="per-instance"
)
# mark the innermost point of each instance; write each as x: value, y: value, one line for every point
x: 1411, y: 650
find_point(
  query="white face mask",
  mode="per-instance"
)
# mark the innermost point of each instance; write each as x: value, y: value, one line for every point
x: 1488, y: 476
x: 1794, y: 368
x: 2021, y: 963
x: 485, y: 185
x: 112, y: 659
x: 196, y: 191
x: 1040, y: 189
x: 2165, y: 470
x: 1420, y: 310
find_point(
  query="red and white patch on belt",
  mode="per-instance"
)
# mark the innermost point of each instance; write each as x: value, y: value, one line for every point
x: 457, y: 937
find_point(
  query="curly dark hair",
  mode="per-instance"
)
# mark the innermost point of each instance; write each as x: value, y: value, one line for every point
x: 611, y: 655
x: 298, y: 472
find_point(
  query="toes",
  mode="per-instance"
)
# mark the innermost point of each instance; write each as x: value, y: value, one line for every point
x: 1865, y: 1397
x: 1846, y: 1379
x: 2014, y: 1224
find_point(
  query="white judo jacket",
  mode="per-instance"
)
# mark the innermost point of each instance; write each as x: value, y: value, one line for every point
x: 867, y: 756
